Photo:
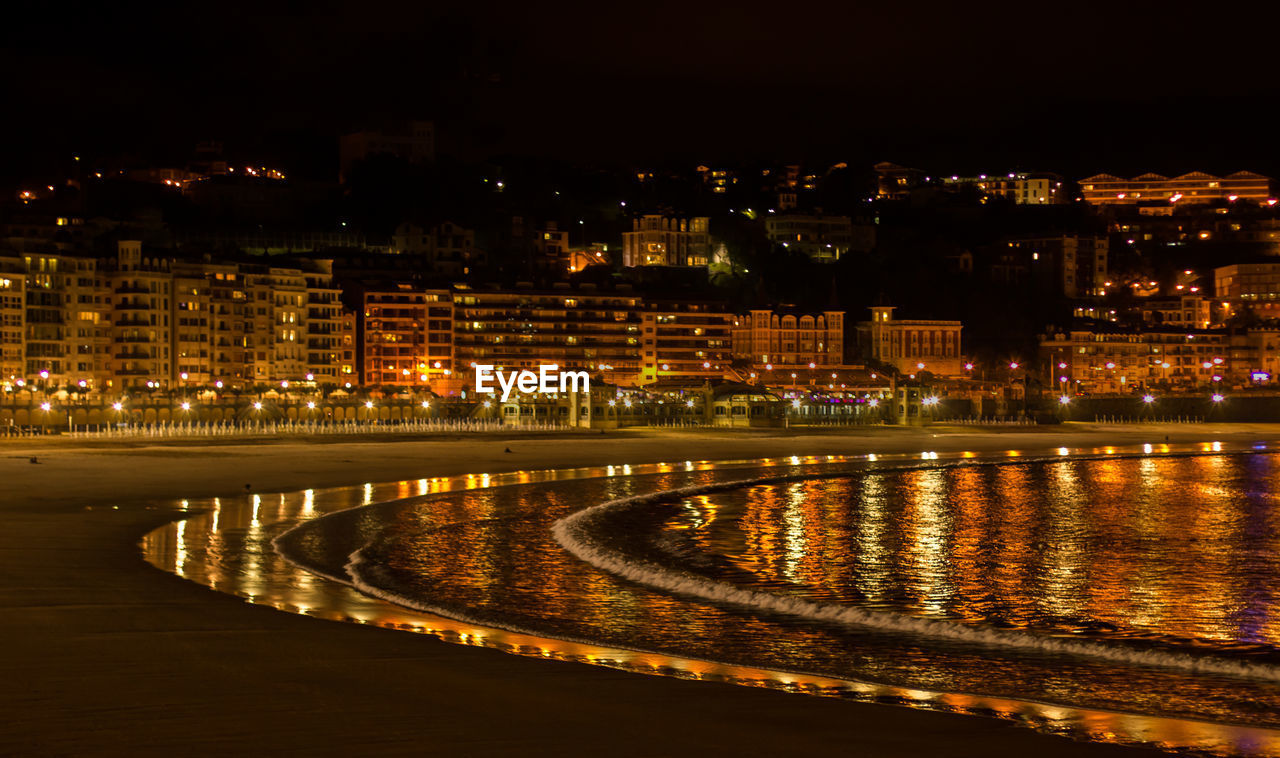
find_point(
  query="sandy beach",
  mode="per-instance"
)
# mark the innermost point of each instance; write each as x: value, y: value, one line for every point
x: 107, y: 655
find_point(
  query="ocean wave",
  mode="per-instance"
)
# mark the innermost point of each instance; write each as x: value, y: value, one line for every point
x: 581, y: 535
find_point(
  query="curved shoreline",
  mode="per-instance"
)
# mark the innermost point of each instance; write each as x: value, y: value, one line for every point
x: 574, y: 534
x: 109, y: 656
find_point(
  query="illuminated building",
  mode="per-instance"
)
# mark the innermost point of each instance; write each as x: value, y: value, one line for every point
x: 141, y: 336
x: 404, y: 336
x: 1248, y: 282
x: 912, y: 346
x: 1183, y: 312
x: 1188, y: 189
x: 685, y: 342
x: 781, y: 341
x: 323, y: 325
x: 576, y: 329
x: 13, y: 321
x: 1019, y: 188
x: 894, y: 182
x: 1108, y: 360
x: 656, y: 240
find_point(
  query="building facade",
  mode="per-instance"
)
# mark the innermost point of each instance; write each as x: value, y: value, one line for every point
x: 656, y: 240
x: 1188, y: 189
x: 780, y: 341
x: 912, y: 346
x: 685, y: 342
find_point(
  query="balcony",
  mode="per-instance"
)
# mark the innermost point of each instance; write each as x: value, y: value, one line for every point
x: 133, y: 355
x: 134, y: 339
x: 132, y: 289
x: 132, y: 320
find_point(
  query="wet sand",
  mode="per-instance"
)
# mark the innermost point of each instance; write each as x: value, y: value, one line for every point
x: 104, y: 654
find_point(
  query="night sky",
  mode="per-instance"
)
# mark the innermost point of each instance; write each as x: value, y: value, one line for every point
x: 1124, y: 87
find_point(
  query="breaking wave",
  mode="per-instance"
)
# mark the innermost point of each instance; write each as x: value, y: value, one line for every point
x: 582, y: 534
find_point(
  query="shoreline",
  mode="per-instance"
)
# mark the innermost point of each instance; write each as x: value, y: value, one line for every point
x: 110, y: 655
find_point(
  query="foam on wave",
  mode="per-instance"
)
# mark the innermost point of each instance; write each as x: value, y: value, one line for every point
x: 579, y: 534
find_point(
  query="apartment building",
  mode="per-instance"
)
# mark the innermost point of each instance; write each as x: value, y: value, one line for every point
x: 781, y: 340
x: 579, y: 328
x: 1020, y: 188
x: 656, y: 240
x: 13, y: 318
x: 685, y: 342
x: 1188, y: 189
x: 912, y: 345
x: 1102, y: 360
x: 403, y: 336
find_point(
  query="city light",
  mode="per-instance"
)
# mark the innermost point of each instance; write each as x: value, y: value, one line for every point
x: 185, y: 406
x: 117, y: 406
x: 311, y: 405
x: 1064, y: 400
x: 257, y: 405
x: 1217, y: 398
x: 1148, y: 399
x: 45, y: 406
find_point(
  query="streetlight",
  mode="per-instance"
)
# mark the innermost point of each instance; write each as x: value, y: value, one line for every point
x: 1064, y: 400
x: 1148, y: 399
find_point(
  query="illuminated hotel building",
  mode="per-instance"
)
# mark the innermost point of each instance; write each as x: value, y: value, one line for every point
x: 576, y: 329
x: 1192, y: 188
x: 404, y: 336
x: 785, y: 340
x: 685, y: 342
x: 911, y: 346
x: 656, y: 240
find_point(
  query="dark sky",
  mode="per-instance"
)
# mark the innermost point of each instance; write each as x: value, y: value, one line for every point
x: 1123, y: 86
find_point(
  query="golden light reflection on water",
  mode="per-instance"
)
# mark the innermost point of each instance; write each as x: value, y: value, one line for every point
x: 228, y: 547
